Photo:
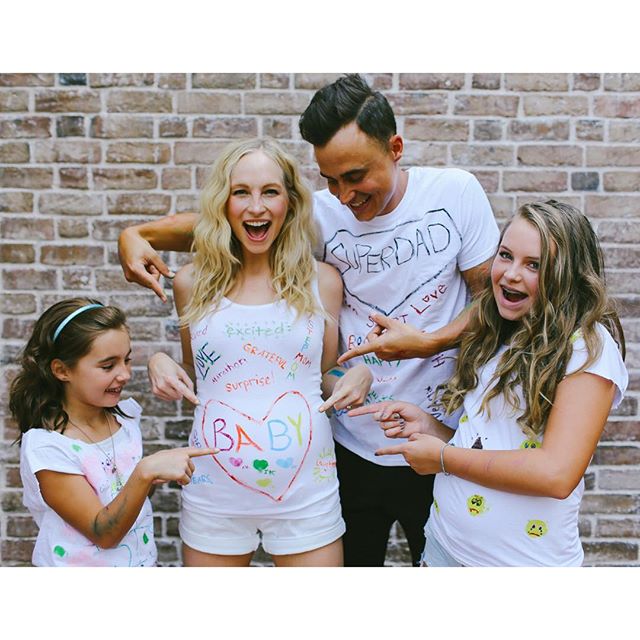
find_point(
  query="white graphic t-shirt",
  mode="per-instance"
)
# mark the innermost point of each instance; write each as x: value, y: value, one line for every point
x: 258, y: 381
x: 58, y: 543
x: 406, y: 265
x: 480, y: 526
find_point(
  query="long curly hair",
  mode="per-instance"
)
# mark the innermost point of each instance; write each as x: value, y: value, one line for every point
x: 218, y: 253
x: 36, y: 396
x: 571, y: 297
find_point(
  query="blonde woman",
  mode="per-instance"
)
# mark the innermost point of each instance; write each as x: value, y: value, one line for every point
x: 259, y: 338
x: 539, y: 369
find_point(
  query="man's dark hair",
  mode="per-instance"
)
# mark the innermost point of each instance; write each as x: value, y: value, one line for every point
x: 346, y: 100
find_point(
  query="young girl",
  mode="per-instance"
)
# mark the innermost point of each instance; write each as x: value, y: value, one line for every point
x: 85, y: 480
x: 259, y: 337
x: 537, y: 375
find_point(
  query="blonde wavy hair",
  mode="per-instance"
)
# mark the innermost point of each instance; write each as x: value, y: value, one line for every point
x: 218, y: 253
x: 571, y: 296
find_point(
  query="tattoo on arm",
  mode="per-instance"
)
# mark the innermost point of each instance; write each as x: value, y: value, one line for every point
x: 105, y: 522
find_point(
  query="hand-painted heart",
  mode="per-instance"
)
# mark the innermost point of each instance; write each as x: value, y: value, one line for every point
x: 285, y: 430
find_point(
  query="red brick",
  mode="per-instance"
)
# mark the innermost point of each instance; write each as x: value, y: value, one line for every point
x: 536, y: 81
x: 151, y: 204
x: 538, y: 130
x: 16, y: 552
x: 13, y: 478
x: 21, y: 228
x: 586, y: 81
x: 490, y: 180
x: 17, y: 303
x: 417, y: 103
x: 424, y: 154
x: 27, y: 279
x: 112, y: 280
x: 314, y: 81
x: 74, y: 178
x: 17, y: 328
x: 139, y: 102
x: 72, y: 227
x: 431, y: 81
x: 612, y: 206
x: 28, y: 127
x: 486, y: 81
x: 276, y: 103
x: 62, y: 151
x: 616, y: 455
x: 503, y: 207
x: 144, y: 152
x: 619, y: 479
x: 545, y: 181
x: 60, y: 255
x: 187, y: 203
x: 76, y: 279
x: 556, y: 105
x: 615, y: 156
x: 71, y: 203
x: 121, y: 79
x: 625, y: 131
x: 27, y: 79
x: 111, y: 228
x: 26, y: 178
x: 627, y: 306
x: 610, y: 553
x: 68, y: 100
x: 618, y: 231
x: 488, y: 130
x: 225, y: 127
x: 124, y: 179
x: 16, y: 202
x: 176, y: 178
x: 436, y: 129
x: 609, y: 503
x: 197, y: 152
x: 124, y: 126
x: 17, y: 253
x: 172, y: 81
x: 487, y: 155
x: 14, y: 101
x: 622, y: 81
x: 617, y: 107
x: 550, y: 155
x: 489, y: 105
x: 618, y: 528
x: 206, y: 102
x: 173, y: 128
x: 12, y: 152
x: 224, y: 80
x: 21, y: 527
x: 591, y: 130
x: 277, y: 127
x: 622, y: 181
x: 275, y: 80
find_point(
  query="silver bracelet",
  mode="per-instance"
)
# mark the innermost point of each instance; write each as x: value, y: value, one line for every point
x: 446, y: 473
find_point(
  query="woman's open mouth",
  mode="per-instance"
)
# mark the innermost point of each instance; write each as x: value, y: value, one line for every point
x: 257, y: 230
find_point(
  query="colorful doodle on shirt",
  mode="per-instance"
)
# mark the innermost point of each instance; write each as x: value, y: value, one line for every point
x: 476, y: 505
x: 414, y: 241
x: 265, y: 454
x: 536, y: 528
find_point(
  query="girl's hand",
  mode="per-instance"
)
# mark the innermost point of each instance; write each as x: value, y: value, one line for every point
x: 398, y: 419
x: 421, y: 451
x: 350, y: 390
x: 169, y: 380
x: 172, y: 464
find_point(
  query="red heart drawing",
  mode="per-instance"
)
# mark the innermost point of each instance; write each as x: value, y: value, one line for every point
x: 286, y: 428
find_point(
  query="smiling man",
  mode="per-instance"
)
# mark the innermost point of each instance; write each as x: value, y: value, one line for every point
x: 411, y: 245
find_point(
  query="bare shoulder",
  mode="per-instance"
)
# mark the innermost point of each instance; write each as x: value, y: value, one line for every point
x: 182, y: 285
x: 329, y: 279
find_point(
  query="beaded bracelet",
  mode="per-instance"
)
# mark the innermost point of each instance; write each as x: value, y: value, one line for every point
x: 448, y: 444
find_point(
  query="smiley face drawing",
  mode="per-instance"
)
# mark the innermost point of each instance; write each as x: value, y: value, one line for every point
x: 476, y: 505
x: 530, y: 444
x: 536, y: 528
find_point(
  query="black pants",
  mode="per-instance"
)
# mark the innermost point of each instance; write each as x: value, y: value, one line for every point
x: 373, y: 497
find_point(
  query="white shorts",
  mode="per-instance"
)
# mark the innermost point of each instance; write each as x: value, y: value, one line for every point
x: 231, y: 535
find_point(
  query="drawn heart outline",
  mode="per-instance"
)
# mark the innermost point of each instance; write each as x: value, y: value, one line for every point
x: 211, y: 406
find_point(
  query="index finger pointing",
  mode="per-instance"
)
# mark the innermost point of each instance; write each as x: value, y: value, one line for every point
x: 194, y: 452
x: 365, y: 347
x: 389, y: 451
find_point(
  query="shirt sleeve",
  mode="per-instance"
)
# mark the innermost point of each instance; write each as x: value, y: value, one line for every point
x: 131, y: 408
x: 478, y: 226
x: 42, y: 450
x: 608, y: 365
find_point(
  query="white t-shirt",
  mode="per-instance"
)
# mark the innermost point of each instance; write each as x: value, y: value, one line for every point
x: 480, y: 526
x: 405, y: 264
x: 258, y: 382
x: 58, y: 543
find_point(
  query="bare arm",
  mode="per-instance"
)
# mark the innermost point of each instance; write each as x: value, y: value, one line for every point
x: 579, y: 413
x: 76, y: 502
x: 138, y: 246
x: 341, y: 387
x: 394, y: 340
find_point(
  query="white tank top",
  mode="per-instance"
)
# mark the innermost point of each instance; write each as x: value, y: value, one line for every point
x: 258, y: 381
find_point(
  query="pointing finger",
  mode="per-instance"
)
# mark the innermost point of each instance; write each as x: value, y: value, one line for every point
x: 389, y: 451
x: 195, y: 452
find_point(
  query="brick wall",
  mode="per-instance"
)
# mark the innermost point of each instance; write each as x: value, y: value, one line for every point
x: 84, y: 155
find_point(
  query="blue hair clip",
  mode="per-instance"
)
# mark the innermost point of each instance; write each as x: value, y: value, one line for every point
x: 71, y: 316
